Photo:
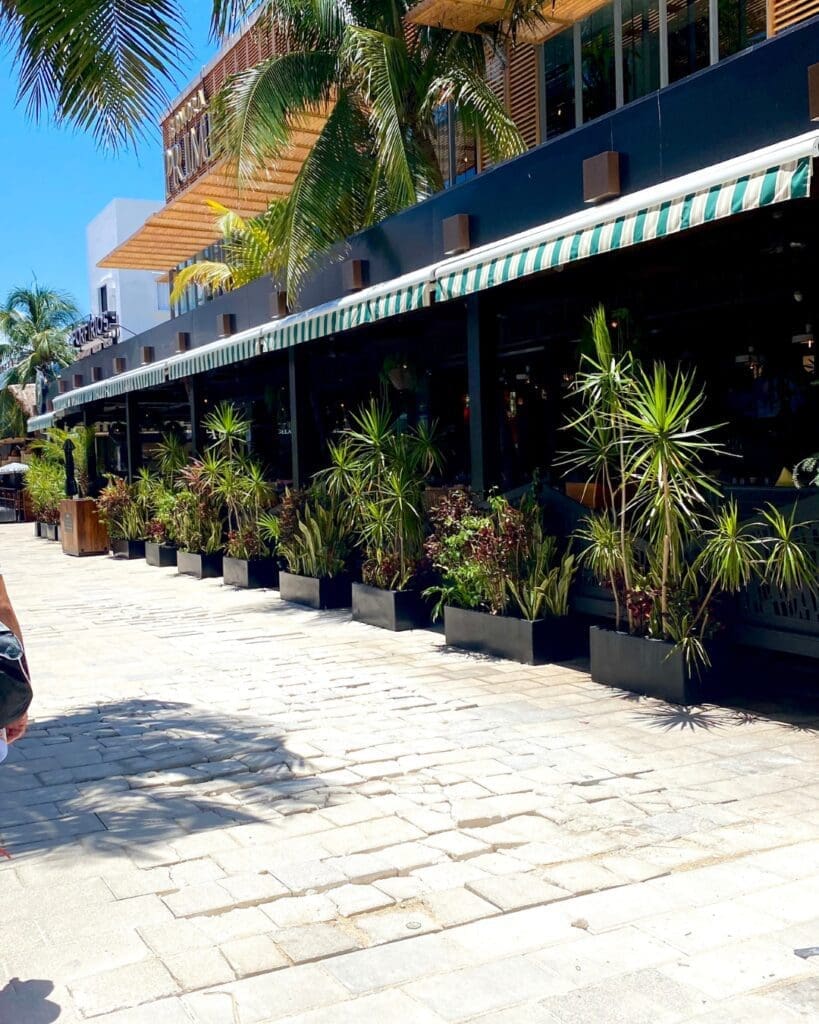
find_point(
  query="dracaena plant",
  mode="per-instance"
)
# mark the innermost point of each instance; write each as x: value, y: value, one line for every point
x: 378, y: 473
x: 123, y: 509
x: 666, y: 541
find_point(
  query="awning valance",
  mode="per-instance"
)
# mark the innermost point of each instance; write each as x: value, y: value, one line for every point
x: 234, y: 349
x: 42, y: 422
x: 143, y: 377
x: 758, y: 179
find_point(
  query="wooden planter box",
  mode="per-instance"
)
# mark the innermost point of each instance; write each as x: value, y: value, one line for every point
x: 203, y: 567
x: 655, y: 668
x: 395, y: 610
x: 250, y: 573
x: 161, y: 555
x: 81, y: 531
x: 531, y: 643
x: 334, y: 592
x: 50, y: 531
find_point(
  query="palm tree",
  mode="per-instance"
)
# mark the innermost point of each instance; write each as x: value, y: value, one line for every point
x: 249, y: 246
x: 97, y: 65
x: 379, y: 82
x: 34, y: 324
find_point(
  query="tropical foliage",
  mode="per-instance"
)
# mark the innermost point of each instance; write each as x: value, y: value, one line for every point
x: 34, y: 325
x: 497, y: 559
x: 97, y: 65
x: 320, y: 542
x: 45, y: 483
x: 666, y: 542
x: 379, y: 87
x: 123, y: 509
x: 378, y: 471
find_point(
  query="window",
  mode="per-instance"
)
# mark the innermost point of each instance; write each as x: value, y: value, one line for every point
x: 163, y: 301
x: 741, y: 24
x: 688, y: 46
x: 597, y: 48
x: 641, y: 48
x: 102, y: 294
x: 440, y: 140
x: 558, y: 62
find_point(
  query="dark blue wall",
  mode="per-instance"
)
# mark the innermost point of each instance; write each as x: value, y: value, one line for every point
x: 753, y: 99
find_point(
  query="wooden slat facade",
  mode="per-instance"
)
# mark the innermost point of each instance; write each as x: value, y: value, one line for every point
x: 784, y: 13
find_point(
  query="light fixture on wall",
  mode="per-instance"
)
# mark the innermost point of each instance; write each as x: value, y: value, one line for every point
x: 808, y: 342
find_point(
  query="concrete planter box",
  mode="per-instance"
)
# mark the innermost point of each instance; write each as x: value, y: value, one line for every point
x: 655, y: 668
x: 395, y: 610
x: 195, y: 563
x: 333, y: 592
x: 163, y: 556
x: 250, y: 573
x: 128, y: 549
x: 504, y: 636
x: 50, y: 531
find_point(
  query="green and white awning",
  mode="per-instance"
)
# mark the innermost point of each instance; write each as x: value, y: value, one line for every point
x: 42, y: 422
x: 216, y: 354
x: 401, y: 295
x: 762, y: 178
x: 143, y: 377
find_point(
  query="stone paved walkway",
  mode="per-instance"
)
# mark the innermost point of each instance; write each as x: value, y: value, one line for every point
x: 231, y: 811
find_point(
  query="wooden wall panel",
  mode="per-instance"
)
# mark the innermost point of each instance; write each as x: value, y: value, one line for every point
x: 784, y: 13
x: 513, y: 76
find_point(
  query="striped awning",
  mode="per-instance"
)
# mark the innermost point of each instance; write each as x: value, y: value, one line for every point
x: 401, y: 295
x: 216, y: 354
x: 42, y: 422
x: 762, y: 178
x: 143, y: 377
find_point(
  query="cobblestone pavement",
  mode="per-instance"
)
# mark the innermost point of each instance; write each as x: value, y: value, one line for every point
x: 231, y: 811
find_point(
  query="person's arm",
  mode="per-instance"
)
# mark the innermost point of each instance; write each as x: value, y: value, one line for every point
x: 7, y: 616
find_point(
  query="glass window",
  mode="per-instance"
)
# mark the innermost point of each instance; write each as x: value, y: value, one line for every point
x: 597, y: 42
x: 163, y: 296
x: 440, y: 140
x: 641, y: 48
x: 687, y: 37
x: 558, y: 54
x: 466, y: 154
x: 741, y: 24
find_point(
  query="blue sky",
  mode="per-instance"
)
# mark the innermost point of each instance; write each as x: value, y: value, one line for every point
x: 53, y: 181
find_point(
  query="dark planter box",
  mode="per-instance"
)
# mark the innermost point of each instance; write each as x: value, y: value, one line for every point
x: 203, y: 567
x: 651, y: 667
x: 129, y: 549
x: 51, y: 531
x: 163, y: 556
x: 250, y: 572
x: 531, y: 643
x: 315, y: 593
x: 389, y: 609
x: 38, y: 529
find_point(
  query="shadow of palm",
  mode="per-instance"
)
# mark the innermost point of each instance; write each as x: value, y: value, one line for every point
x: 147, y: 771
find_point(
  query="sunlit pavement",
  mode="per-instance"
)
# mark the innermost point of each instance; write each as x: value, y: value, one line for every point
x: 232, y: 811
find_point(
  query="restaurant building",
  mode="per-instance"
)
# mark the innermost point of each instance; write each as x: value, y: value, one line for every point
x: 669, y: 176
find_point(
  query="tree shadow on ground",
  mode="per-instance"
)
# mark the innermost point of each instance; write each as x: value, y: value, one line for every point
x: 27, y: 1002
x: 143, y: 771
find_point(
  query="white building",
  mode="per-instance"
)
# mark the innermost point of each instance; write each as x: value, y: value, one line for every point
x: 138, y: 297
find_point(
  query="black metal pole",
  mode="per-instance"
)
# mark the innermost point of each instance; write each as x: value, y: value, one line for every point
x: 297, y: 424
x: 133, y: 440
x: 480, y: 356
x: 194, y: 392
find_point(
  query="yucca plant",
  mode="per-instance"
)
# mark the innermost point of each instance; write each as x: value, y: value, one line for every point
x: 378, y: 472
x: 666, y: 542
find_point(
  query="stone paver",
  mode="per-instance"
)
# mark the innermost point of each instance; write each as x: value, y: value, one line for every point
x: 231, y: 810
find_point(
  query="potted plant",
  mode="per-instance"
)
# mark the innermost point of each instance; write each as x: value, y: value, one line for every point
x: 45, y: 483
x: 315, y: 552
x: 666, y: 542
x: 504, y: 584
x: 197, y: 521
x: 247, y: 496
x: 122, y: 511
x: 169, y: 459
x: 378, y: 472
